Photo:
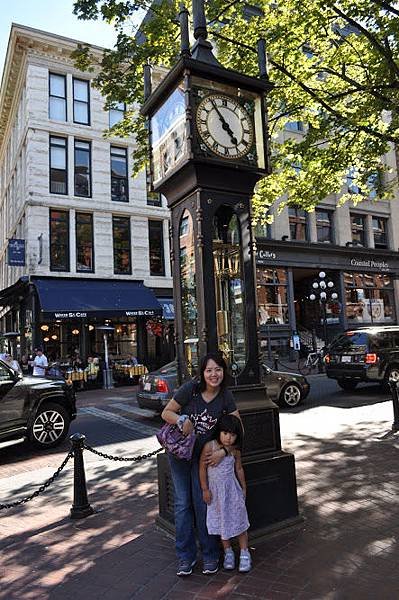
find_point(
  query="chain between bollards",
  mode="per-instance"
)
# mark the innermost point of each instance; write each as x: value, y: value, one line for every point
x: 395, y: 404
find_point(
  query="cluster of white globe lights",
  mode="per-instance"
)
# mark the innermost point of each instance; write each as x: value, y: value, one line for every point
x: 322, y: 285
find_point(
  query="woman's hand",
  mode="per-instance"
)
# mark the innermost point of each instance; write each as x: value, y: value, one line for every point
x: 207, y: 496
x: 188, y: 427
x: 213, y: 457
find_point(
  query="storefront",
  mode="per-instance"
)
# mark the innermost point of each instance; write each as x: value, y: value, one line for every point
x: 366, y: 282
x: 65, y: 316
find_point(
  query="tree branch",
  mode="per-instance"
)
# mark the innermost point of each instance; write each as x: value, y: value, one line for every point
x: 386, y: 6
x: 372, y: 39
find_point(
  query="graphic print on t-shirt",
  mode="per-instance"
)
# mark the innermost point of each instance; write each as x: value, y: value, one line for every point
x: 203, y: 422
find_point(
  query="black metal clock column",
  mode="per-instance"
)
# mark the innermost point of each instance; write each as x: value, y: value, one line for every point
x: 208, y: 141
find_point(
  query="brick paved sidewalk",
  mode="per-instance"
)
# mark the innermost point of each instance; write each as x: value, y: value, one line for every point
x: 346, y: 548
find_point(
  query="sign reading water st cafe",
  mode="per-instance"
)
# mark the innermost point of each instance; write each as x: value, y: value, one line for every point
x: 99, y: 313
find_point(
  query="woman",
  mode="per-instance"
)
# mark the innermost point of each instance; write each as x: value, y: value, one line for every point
x: 196, y: 406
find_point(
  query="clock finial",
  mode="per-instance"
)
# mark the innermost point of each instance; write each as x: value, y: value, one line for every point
x: 202, y: 49
x: 184, y: 35
x: 199, y: 20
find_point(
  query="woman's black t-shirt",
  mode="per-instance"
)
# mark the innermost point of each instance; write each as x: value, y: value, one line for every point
x: 203, y: 415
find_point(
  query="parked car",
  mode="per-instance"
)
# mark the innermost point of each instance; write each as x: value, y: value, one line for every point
x: 369, y: 354
x: 38, y: 409
x: 156, y: 388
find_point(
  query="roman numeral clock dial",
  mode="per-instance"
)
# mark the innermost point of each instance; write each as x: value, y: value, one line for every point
x: 225, y: 126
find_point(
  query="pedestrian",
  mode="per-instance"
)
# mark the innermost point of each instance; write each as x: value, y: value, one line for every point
x: 224, y: 491
x: 196, y: 406
x: 40, y: 363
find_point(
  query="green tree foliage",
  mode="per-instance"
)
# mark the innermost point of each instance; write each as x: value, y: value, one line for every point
x: 334, y: 66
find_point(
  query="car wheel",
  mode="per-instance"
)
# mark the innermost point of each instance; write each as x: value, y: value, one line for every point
x: 50, y: 426
x: 290, y: 395
x: 347, y: 385
x: 391, y: 374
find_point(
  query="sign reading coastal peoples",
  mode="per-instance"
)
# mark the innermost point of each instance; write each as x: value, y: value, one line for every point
x: 370, y: 263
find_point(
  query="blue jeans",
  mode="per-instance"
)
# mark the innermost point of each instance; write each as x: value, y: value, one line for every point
x: 189, y: 505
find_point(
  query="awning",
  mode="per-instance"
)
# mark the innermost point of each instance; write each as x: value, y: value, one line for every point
x: 84, y: 298
x: 168, y: 308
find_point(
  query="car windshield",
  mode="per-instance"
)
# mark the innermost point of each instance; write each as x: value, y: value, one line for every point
x: 350, y: 341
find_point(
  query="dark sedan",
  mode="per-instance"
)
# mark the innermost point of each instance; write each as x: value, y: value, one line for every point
x: 156, y: 388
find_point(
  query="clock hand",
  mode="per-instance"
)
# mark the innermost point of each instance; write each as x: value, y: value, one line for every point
x: 225, y: 125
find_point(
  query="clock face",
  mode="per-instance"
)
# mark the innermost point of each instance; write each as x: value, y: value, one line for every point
x: 225, y: 126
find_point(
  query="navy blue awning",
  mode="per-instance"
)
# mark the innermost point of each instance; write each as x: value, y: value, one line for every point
x: 80, y: 298
x: 168, y: 308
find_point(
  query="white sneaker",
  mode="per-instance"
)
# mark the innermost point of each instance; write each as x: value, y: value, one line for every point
x: 229, y: 560
x: 245, y: 562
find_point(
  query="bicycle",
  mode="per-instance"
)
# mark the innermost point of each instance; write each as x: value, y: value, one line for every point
x: 313, y: 361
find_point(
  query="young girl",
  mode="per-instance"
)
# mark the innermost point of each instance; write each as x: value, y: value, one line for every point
x: 224, y: 490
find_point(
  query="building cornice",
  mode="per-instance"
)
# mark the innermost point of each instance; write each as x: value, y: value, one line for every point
x: 25, y: 42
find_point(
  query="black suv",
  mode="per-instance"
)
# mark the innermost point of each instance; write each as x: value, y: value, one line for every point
x: 366, y: 354
x: 35, y: 408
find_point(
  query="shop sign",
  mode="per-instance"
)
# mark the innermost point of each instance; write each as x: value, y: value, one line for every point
x: 266, y: 255
x: 16, y: 253
x: 110, y: 313
x: 381, y: 265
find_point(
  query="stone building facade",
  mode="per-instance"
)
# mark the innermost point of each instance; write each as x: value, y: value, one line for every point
x: 354, y: 244
x: 67, y: 193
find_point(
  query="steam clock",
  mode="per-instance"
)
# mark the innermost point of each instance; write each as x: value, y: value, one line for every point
x: 208, y: 140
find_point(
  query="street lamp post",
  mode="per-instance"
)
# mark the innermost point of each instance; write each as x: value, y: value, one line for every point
x: 323, y: 290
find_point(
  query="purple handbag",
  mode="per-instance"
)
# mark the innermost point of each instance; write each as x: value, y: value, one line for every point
x: 171, y: 438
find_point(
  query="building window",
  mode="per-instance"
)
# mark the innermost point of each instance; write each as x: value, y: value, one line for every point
x: 58, y: 165
x: 116, y: 113
x: 57, y: 97
x: 154, y: 199
x: 82, y: 168
x: 324, y: 226
x: 263, y: 230
x: 121, y: 242
x: 369, y: 298
x: 294, y: 126
x: 353, y: 188
x: 81, y: 101
x: 380, y: 232
x: 271, y: 285
x: 59, y: 240
x: 298, y: 223
x: 155, y: 235
x: 84, y: 243
x: 119, y: 184
x: 358, y: 227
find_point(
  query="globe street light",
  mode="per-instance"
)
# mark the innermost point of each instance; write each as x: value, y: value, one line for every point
x: 323, y: 290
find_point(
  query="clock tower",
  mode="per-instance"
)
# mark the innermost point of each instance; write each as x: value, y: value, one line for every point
x: 208, y: 148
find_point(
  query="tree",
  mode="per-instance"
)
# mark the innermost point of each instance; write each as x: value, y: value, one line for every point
x: 334, y: 66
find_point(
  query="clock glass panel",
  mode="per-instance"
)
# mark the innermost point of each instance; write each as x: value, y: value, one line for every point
x: 168, y: 135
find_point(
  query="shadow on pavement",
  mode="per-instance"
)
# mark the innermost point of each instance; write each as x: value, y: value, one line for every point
x: 347, y: 548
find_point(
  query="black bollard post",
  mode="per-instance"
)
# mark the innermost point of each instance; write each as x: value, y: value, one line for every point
x: 80, y: 507
x: 395, y: 402
x: 275, y: 361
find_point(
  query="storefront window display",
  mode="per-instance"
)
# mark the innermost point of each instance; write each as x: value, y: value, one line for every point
x: 369, y: 298
x: 272, y: 296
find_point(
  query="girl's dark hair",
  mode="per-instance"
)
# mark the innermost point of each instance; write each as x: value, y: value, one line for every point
x: 219, y: 360
x: 231, y: 424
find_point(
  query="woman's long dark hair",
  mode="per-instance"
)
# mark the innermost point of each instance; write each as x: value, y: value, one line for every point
x: 230, y: 424
x: 217, y: 357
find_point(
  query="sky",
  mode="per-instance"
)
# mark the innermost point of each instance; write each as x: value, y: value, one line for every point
x: 54, y: 16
